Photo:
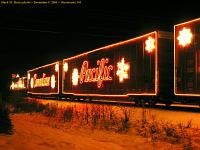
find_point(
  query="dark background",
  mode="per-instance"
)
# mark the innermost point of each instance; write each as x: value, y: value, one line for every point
x: 35, y: 35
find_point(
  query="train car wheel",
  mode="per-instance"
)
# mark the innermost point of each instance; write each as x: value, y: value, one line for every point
x: 142, y: 103
x: 139, y: 102
x: 151, y: 103
x: 90, y: 98
x: 168, y: 103
x: 136, y: 102
x: 72, y: 98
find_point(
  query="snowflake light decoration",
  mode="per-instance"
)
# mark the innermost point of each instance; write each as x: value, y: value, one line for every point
x: 32, y: 83
x: 149, y: 44
x: 29, y: 76
x: 122, y: 71
x: 56, y: 67
x: 65, y: 67
x: 75, y: 77
x: 53, y: 81
x: 185, y: 37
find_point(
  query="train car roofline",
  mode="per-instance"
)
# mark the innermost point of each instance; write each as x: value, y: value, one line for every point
x: 43, y: 66
x: 110, y: 45
x: 186, y: 22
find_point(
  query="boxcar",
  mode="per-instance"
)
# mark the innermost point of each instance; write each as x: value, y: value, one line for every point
x: 18, y: 83
x: 187, y: 61
x: 140, y: 68
x: 44, y: 81
x: 18, y: 86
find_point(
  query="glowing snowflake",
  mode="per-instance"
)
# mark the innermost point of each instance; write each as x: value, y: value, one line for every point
x: 149, y: 44
x: 57, y: 67
x: 65, y: 67
x: 185, y: 37
x: 122, y: 71
x: 53, y: 81
x: 75, y: 77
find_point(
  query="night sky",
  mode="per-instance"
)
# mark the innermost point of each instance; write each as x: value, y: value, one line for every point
x: 35, y: 35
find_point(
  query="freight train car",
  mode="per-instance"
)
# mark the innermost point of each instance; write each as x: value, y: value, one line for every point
x: 44, y: 81
x: 18, y: 86
x: 187, y: 61
x: 140, y: 69
x: 18, y: 83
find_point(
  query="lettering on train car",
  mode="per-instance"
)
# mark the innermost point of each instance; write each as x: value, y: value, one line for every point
x: 40, y: 82
x: 98, y: 74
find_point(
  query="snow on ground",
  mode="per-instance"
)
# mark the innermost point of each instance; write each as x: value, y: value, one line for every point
x: 172, y: 116
x: 32, y: 135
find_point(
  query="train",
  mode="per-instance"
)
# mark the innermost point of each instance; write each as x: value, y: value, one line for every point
x: 155, y: 67
x: 18, y: 86
x: 187, y: 61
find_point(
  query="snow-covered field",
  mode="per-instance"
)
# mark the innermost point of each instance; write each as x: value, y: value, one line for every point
x: 32, y: 135
x: 80, y: 126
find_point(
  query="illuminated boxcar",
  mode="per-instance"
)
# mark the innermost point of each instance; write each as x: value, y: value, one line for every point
x: 139, y: 68
x: 18, y: 86
x: 187, y: 59
x: 18, y: 83
x: 44, y: 80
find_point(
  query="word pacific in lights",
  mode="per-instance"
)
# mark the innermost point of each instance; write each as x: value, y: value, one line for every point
x: 98, y: 74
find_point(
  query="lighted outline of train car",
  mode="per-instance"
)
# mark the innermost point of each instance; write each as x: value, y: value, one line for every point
x: 187, y: 61
x: 44, y: 81
x: 144, y: 63
x: 143, y: 92
x: 18, y: 86
x: 18, y: 83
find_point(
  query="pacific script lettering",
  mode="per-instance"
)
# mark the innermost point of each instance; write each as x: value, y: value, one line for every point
x: 99, y: 74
